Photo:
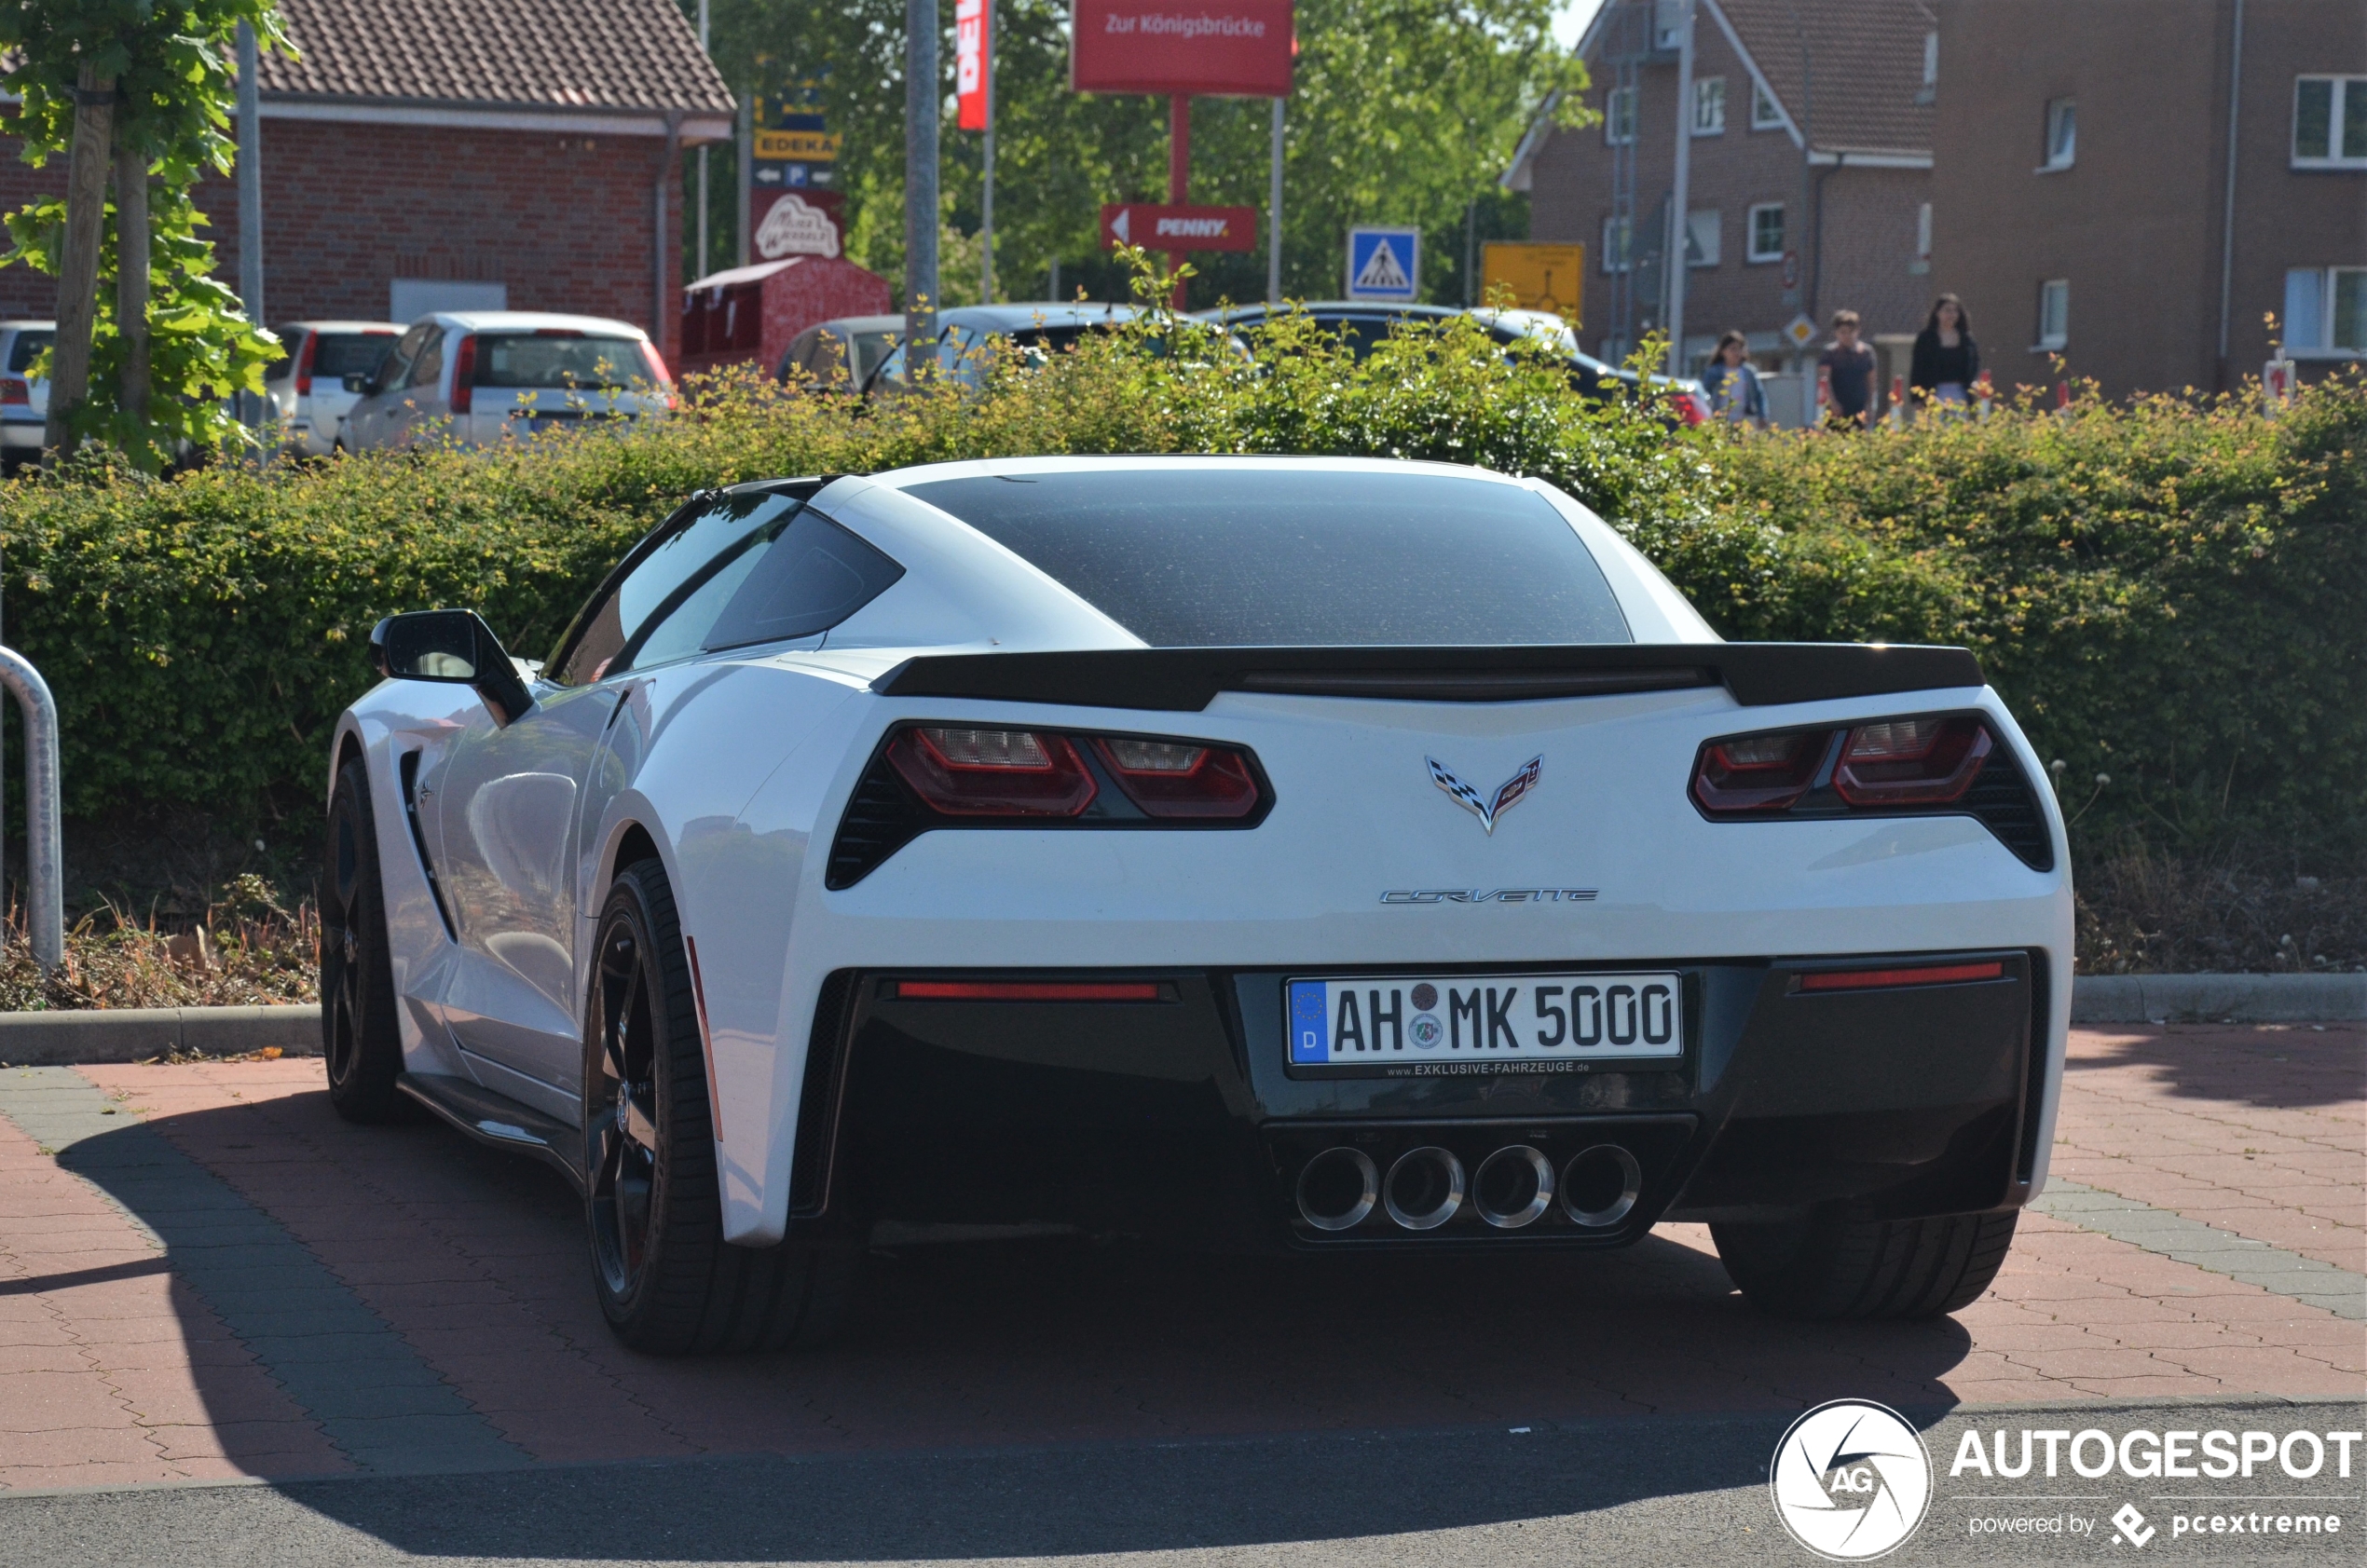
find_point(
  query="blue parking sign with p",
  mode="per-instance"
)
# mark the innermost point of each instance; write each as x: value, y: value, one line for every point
x: 1310, y: 1029
x: 1384, y: 263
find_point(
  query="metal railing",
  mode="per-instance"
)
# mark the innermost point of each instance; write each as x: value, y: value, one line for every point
x: 45, y: 875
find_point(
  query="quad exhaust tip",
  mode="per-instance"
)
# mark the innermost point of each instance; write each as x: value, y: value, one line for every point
x: 1338, y: 1189
x: 1425, y: 1188
x: 1600, y: 1186
x: 1512, y: 1187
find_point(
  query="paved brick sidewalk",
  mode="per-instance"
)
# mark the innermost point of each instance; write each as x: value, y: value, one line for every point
x: 468, y: 1264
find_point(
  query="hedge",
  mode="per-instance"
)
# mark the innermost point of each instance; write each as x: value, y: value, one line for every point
x: 2172, y: 593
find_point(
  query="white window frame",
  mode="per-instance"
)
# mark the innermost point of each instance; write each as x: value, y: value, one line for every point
x: 1619, y: 110
x: 1929, y: 91
x: 2347, y: 103
x: 1704, y: 223
x: 1924, y: 232
x: 1751, y: 252
x: 1766, y: 114
x: 2323, y: 285
x: 1618, y: 252
x: 2054, y: 337
x: 2059, y: 151
x: 1709, y: 105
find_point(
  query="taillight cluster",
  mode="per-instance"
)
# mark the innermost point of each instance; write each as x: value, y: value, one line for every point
x: 968, y: 772
x: 464, y: 374
x: 929, y: 776
x: 14, y: 392
x: 1927, y: 762
x: 304, y: 364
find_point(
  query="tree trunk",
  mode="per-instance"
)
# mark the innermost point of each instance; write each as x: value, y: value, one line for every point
x: 132, y: 277
x: 79, y: 268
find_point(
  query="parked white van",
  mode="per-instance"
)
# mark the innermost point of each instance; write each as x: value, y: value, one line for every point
x: 309, y: 390
x: 475, y: 377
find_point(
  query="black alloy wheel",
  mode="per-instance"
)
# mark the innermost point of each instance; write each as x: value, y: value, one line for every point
x: 360, y: 1036
x: 668, y: 1281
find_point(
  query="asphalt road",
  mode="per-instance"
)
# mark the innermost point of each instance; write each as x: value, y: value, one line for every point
x: 1640, y: 1492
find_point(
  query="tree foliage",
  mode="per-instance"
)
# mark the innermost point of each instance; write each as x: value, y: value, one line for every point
x: 1406, y: 111
x: 175, y: 65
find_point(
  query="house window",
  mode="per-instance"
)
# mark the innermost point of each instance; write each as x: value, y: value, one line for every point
x: 1702, y: 230
x: 2054, y: 313
x: 1709, y: 106
x: 2326, y: 310
x: 2062, y: 132
x: 2329, y: 122
x: 1618, y: 116
x: 1923, y: 262
x: 1767, y: 233
x: 1930, y: 89
x: 1766, y: 115
x: 1617, y: 234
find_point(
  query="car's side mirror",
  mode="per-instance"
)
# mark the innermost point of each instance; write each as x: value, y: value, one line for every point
x: 453, y: 647
x: 359, y: 382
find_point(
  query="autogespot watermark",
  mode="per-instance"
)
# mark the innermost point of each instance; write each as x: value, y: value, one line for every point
x: 1851, y: 1480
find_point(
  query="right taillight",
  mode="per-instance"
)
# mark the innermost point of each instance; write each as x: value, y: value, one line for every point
x: 1178, y: 778
x: 14, y: 392
x: 1884, y: 767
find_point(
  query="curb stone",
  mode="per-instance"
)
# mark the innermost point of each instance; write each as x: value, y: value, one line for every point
x: 65, y: 1037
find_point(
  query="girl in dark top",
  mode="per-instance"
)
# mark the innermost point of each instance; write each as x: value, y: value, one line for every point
x: 1946, y: 361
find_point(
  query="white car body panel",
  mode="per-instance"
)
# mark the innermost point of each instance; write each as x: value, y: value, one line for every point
x: 738, y: 767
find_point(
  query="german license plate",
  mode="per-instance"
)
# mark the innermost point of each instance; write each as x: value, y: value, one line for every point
x: 1416, y: 1026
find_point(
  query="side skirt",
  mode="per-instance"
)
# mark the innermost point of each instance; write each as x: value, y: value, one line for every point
x: 498, y: 1121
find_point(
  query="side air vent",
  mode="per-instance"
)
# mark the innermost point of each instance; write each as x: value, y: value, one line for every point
x: 818, y: 1106
x: 882, y: 819
x: 408, y: 773
x: 2002, y: 798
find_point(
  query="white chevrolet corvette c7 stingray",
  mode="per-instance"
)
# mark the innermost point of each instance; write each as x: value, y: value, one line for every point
x: 1337, y: 854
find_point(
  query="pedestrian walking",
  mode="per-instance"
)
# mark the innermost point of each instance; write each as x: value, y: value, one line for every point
x: 1946, y: 361
x: 1846, y: 371
x: 1735, y: 392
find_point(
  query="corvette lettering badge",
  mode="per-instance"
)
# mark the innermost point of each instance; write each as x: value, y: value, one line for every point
x: 1508, y: 794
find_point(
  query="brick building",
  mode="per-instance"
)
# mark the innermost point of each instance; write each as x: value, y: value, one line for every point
x: 2082, y: 197
x: 1811, y: 136
x: 421, y: 155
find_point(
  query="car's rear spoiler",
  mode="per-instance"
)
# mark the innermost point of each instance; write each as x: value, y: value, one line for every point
x: 1187, y: 679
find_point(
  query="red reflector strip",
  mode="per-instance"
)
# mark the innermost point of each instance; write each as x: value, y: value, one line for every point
x: 1027, y: 990
x: 1871, y: 979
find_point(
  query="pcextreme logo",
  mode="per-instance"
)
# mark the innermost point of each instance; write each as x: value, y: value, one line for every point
x: 1850, y: 1481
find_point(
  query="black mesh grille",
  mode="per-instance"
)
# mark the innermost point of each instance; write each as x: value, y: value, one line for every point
x: 881, y: 820
x: 2001, y: 798
x: 818, y: 1106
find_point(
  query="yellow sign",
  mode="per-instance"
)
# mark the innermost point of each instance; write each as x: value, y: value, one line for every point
x: 1542, y: 275
x: 798, y: 146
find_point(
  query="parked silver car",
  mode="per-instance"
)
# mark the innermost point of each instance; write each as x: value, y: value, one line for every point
x: 309, y: 391
x: 840, y: 354
x: 474, y: 377
x: 24, y: 403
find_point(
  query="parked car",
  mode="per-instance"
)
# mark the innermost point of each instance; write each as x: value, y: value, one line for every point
x: 475, y: 377
x: 1362, y: 324
x: 968, y: 336
x: 1161, y: 846
x: 307, y: 390
x: 839, y: 355
x: 24, y: 403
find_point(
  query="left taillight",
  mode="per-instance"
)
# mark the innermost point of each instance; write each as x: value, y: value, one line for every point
x: 304, y: 363
x: 464, y: 375
x: 969, y: 772
x: 656, y: 364
x: 14, y: 392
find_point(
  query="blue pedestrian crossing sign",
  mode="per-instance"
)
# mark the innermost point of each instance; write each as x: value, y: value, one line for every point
x: 1384, y: 263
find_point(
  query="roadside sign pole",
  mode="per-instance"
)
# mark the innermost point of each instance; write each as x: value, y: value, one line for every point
x: 249, y: 173
x: 1681, y: 220
x: 1179, y: 172
x: 1274, y: 218
x: 920, y: 108
x: 705, y: 255
x: 986, y: 204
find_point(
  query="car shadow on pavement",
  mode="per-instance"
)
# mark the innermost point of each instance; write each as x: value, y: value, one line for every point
x: 424, y: 1302
x: 2292, y: 1067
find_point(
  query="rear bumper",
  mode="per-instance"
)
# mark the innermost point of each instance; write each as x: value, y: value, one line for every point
x: 1180, y: 1116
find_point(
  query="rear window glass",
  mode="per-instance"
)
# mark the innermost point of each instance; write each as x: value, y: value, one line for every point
x: 1230, y: 557
x: 340, y: 354
x: 554, y: 364
x: 27, y: 348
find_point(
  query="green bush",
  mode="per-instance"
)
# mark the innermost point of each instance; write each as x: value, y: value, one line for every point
x: 2171, y: 594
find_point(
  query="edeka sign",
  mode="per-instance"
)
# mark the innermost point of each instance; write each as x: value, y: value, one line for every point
x: 1179, y: 228
x: 1225, y: 48
x: 972, y: 61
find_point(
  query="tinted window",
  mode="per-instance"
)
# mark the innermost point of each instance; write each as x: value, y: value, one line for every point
x: 340, y: 354
x: 550, y: 363
x: 27, y: 348
x: 405, y: 348
x: 754, y: 568
x: 1246, y: 557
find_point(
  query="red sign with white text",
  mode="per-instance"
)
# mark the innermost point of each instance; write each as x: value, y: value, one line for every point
x: 973, y: 60
x: 1179, y: 228
x: 1238, y: 48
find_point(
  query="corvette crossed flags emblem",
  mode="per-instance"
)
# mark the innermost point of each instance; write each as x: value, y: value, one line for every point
x: 1511, y: 793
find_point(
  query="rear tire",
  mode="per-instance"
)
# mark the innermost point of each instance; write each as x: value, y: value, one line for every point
x: 668, y: 1281
x: 1829, y: 1266
x: 360, y: 1036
